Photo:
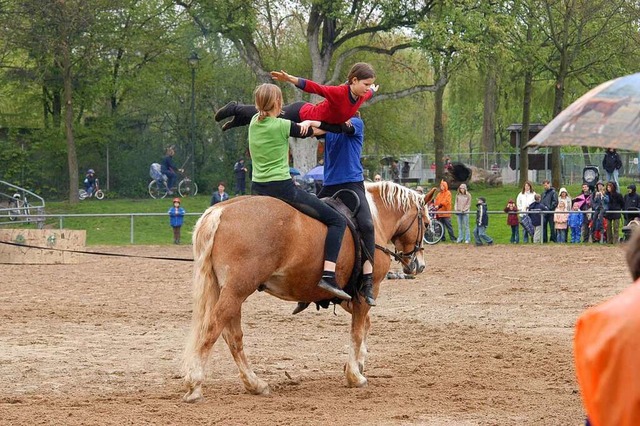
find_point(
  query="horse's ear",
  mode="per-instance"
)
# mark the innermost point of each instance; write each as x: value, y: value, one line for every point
x: 429, y: 195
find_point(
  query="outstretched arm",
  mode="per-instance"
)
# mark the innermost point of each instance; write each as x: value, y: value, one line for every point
x: 283, y: 76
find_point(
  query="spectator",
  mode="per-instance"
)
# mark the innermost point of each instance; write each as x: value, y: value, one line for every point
x: 611, y: 163
x: 575, y: 223
x: 560, y: 219
x: 220, y: 195
x: 584, y: 204
x: 606, y: 353
x: 550, y: 201
x: 377, y: 178
x: 512, y: 220
x: 523, y: 201
x: 616, y: 202
x: 176, y: 218
x: 564, y: 196
x: 395, y: 172
x: 443, y: 203
x: 240, y: 171
x: 406, y: 168
x: 631, y: 202
x: 462, y: 207
x: 599, y: 204
x: 482, y: 222
x: 536, y: 210
x: 448, y: 165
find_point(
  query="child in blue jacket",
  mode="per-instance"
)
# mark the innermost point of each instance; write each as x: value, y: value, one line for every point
x: 176, y: 217
x: 575, y: 223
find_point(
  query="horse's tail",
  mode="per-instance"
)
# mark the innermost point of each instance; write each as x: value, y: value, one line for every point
x: 206, y: 291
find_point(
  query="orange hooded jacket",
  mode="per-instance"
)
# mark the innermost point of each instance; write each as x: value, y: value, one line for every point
x: 607, y: 356
x: 443, y: 200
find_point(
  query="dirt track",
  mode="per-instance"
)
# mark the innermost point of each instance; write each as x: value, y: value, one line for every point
x: 101, y: 342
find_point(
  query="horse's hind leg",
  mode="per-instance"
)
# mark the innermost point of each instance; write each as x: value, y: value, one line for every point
x: 232, y: 334
x: 206, y: 329
x: 360, y: 324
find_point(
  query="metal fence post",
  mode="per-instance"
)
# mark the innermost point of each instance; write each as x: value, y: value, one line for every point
x: 132, y: 229
x: 61, y: 222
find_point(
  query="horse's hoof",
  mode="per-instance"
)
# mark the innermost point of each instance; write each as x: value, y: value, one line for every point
x: 358, y: 382
x: 261, y: 389
x: 193, y: 395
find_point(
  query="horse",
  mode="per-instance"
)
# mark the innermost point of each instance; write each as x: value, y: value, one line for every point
x: 251, y: 244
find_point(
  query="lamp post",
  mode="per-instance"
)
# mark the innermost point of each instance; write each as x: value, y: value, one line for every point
x: 193, y: 63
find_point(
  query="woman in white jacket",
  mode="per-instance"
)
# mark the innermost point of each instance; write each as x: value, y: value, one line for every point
x: 525, y: 197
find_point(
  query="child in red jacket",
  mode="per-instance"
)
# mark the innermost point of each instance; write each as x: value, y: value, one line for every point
x: 512, y: 221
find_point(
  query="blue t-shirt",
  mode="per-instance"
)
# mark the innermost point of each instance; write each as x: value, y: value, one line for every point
x: 342, y: 154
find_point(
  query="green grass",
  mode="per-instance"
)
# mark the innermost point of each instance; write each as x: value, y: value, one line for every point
x: 116, y: 230
x: 156, y: 229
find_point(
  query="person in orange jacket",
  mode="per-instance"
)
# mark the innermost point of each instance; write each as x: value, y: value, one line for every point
x: 607, y: 353
x: 443, y: 203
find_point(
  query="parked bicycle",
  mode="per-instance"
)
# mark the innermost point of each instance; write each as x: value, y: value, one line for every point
x: 158, y: 186
x: 97, y: 192
x: 434, y: 231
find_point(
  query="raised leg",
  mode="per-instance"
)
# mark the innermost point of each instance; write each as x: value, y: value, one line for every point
x: 360, y: 324
x: 232, y: 334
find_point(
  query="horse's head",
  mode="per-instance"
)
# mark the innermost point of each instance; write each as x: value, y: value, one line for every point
x: 404, y: 214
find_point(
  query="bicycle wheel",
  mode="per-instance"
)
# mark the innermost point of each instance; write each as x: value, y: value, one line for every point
x: 434, y: 232
x: 157, y: 190
x: 187, y: 188
x: 82, y: 194
x: 14, y: 205
x: 99, y: 194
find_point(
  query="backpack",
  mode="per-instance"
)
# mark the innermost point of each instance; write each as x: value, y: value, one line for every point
x: 155, y: 171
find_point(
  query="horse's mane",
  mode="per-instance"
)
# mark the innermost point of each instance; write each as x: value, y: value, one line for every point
x: 395, y: 195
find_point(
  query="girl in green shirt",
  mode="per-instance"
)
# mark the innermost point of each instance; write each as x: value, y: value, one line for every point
x: 269, y: 147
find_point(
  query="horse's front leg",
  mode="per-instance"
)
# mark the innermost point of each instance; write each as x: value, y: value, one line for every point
x: 232, y: 334
x: 360, y: 324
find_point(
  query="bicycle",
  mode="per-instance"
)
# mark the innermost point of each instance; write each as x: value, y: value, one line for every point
x: 433, y: 232
x: 98, y: 193
x: 158, y: 187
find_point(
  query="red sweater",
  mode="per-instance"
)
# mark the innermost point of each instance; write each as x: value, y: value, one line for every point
x: 337, y: 106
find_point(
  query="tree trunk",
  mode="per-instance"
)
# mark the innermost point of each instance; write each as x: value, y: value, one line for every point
x: 72, y: 158
x: 489, y: 113
x: 557, y: 109
x: 304, y: 153
x: 526, y: 119
x: 438, y: 132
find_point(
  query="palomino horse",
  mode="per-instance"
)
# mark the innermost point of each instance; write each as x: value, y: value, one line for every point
x: 261, y: 243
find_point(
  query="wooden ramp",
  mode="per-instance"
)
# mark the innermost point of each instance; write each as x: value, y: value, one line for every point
x: 57, y: 239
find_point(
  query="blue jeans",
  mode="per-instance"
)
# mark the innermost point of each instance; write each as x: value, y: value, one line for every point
x: 613, y: 177
x: 515, y: 234
x: 480, y: 234
x: 463, y: 228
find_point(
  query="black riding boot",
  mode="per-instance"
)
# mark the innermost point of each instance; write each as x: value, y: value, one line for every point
x: 366, y: 290
x: 226, y: 111
x: 300, y: 307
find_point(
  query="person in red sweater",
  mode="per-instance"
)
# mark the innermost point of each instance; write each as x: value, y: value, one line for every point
x: 339, y: 105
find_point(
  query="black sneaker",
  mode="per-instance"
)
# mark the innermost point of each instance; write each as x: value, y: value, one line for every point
x: 333, y: 289
x: 226, y: 111
x: 366, y: 290
x: 300, y: 307
x: 229, y: 124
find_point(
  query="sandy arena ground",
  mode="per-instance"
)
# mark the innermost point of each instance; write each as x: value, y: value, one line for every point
x: 484, y: 343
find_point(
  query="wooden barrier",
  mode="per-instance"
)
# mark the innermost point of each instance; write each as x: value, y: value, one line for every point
x: 61, y: 239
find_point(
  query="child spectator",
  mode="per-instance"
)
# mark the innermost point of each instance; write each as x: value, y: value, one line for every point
x: 512, y: 220
x: 575, y: 223
x: 535, y: 215
x: 462, y: 207
x: 560, y: 219
x: 482, y: 222
x: 90, y: 183
x: 176, y: 218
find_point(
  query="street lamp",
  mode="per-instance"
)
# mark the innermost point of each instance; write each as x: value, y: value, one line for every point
x: 193, y: 63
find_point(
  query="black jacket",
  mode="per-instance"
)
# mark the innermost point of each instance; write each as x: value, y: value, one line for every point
x: 616, y: 202
x: 632, y: 202
x: 482, y: 218
x: 611, y: 161
x: 550, y: 198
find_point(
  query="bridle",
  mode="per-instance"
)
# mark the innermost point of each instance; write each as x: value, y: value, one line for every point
x: 409, y: 257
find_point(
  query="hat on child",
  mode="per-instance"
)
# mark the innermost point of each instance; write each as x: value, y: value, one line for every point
x: 176, y: 200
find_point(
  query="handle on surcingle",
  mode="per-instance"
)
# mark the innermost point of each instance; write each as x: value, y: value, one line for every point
x: 352, y: 193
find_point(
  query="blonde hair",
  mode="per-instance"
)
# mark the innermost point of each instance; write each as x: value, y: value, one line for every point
x: 267, y: 98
